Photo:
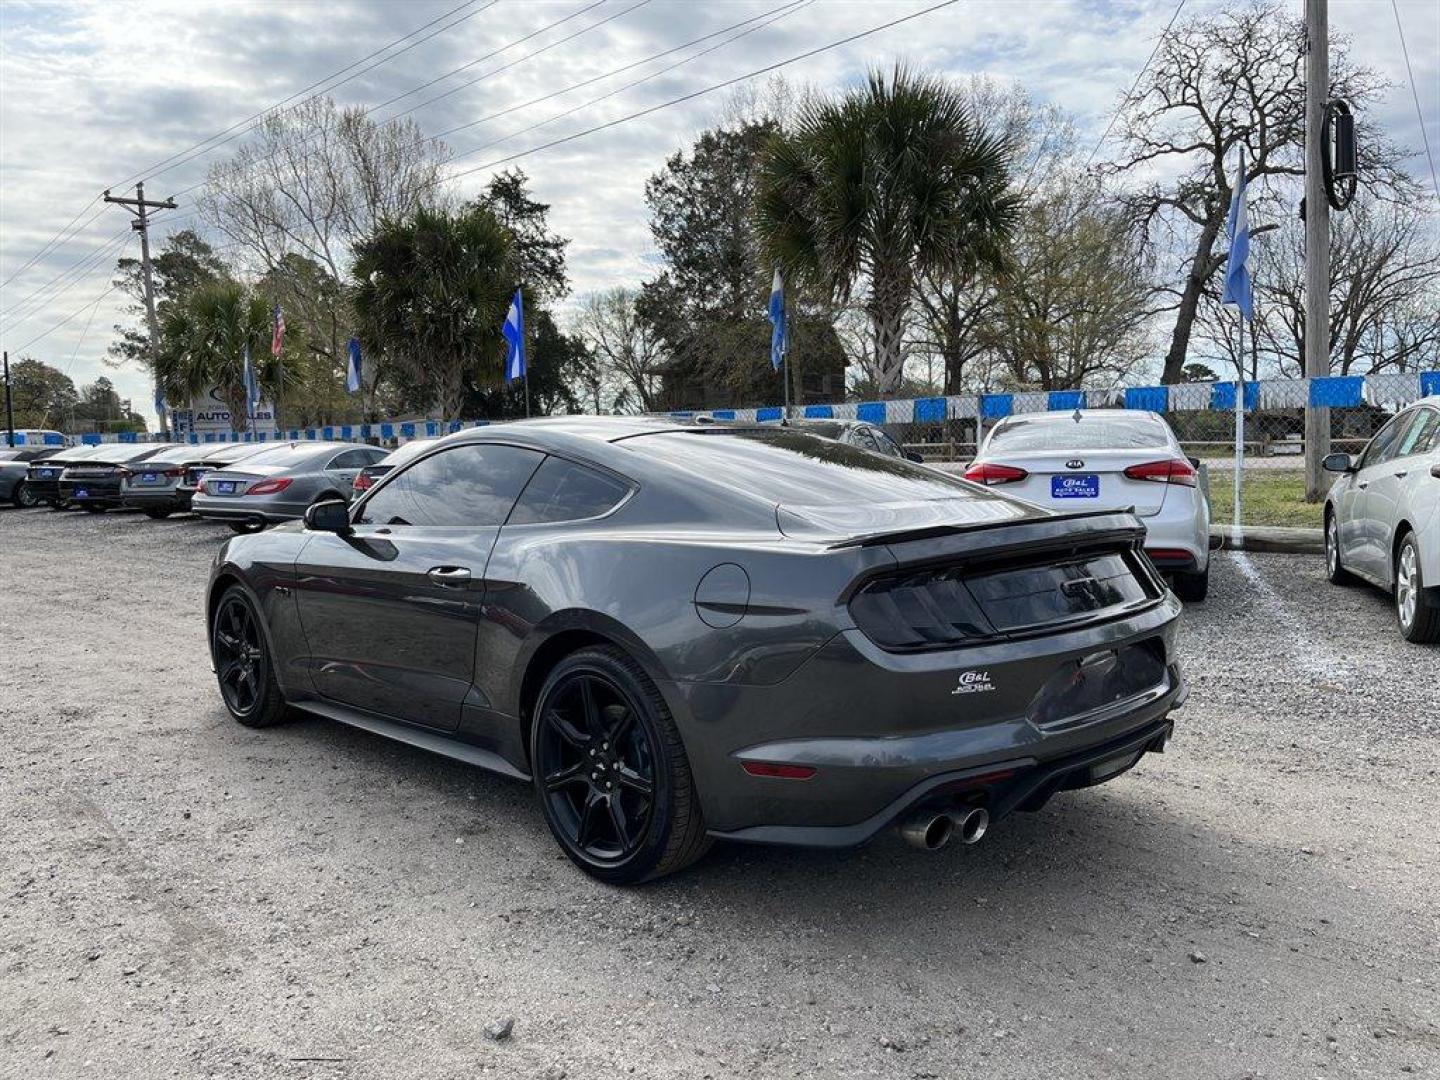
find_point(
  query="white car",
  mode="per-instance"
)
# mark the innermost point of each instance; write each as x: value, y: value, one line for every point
x: 1108, y: 459
x: 1382, y: 517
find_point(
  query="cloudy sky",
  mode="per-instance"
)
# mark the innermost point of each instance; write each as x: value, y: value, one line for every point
x: 99, y: 94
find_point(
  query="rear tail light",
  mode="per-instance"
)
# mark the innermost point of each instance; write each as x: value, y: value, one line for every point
x: 270, y: 487
x: 363, y: 482
x: 990, y: 473
x: 1176, y: 471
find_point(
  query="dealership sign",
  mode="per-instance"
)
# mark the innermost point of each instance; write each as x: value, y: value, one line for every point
x: 208, y: 413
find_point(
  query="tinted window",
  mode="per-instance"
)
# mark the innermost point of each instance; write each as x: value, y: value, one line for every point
x: 796, y: 469
x: 1063, y: 434
x: 464, y: 485
x: 1420, y: 436
x: 1382, y: 447
x: 888, y: 445
x: 352, y: 459
x: 287, y: 454
x: 560, y: 490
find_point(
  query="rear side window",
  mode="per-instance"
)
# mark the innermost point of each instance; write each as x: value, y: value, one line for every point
x: 1421, y: 436
x: 1386, y: 441
x: 561, y: 490
x: 1063, y: 434
x: 352, y: 459
x: 464, y: 485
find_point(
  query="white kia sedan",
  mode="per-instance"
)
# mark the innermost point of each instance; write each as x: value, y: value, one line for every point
x: 1382, y: 517
x: 1108, y: 459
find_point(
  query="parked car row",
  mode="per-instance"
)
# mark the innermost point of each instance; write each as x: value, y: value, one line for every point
x: 246, y: 485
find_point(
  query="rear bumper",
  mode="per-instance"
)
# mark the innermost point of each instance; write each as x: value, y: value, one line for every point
x: 105, y: 492
x: 1000, y: 787
x: 244, y: 508
x: 45, y: 490
x: 162, y: 499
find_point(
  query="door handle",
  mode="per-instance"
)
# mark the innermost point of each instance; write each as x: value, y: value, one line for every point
x: 1363, y: 484
x: 449, y: 577
x: 1402, y: 474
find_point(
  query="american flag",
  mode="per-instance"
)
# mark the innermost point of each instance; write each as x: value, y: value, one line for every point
x: 277, y: 340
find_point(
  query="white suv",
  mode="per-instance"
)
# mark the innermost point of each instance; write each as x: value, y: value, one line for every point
x: 1382, y: 517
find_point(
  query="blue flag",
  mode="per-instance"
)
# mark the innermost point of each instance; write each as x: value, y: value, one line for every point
x: 352, y: 369
x: 514, y: 331
x: 252, y: 385
x: 777, y: 316
x: 1237, y: 269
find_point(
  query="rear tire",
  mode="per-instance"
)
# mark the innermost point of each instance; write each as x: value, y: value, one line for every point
x: 243, y: 665
x: 610, y: 770
x: 23, y: 496
x: 1192, y: 588
x: 1418, y: 616
x: 244, y: 528
x: 157, y: 513
x: 1335, y: 573
x: 94, y: 508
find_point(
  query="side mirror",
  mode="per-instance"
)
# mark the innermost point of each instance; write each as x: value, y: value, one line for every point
x: 1194, y: 462
x: 911, y: 455
x: 1341, y: 463
x: 332, y: 515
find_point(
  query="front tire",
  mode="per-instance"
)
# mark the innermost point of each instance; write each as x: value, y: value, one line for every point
x: 23, y: 496
x: 1419, y: 619
x: 243, y: 665
x: 611, y: 772
x: 1334, y: 571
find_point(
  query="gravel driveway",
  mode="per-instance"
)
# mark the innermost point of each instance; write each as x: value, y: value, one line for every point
x: 180, y: 896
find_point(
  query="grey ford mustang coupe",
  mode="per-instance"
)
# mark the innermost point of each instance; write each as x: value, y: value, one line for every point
x: 678, y: 633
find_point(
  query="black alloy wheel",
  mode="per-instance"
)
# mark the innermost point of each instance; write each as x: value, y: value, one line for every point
x: 24, y: 496
x: 610, y: 771
x: 242, y: 663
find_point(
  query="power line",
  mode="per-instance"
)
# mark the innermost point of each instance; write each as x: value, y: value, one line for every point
x: 233, y: 132
x: 1415, y: 93
x: 1140, y: 75
x: 76, y: 268
x: 58, y: 238
x: 481, y: 78
x: 706, y: 90
x: 42, y: 336
x: 782, y: 10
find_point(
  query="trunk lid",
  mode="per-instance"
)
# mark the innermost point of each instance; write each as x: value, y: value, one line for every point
x: 1086, y: 479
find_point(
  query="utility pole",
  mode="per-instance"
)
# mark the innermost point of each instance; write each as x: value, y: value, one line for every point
x: 141, y: 208
x: 9, y: 406
x: 1317, y: 241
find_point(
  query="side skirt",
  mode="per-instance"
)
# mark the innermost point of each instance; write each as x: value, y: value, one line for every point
x: 414, y: 736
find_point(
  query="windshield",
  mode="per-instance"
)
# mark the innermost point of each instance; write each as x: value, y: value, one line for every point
x: 1063, y: 434
x: 796, y: 469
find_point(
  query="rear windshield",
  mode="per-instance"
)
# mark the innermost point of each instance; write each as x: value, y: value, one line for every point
x: 796, y: 469
x: 1063, y: 434
x: 288, y: 454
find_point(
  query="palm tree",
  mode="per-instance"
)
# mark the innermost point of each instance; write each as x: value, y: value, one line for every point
x: 202, y: 347
x: 892, y: 180
x: 430, y: 295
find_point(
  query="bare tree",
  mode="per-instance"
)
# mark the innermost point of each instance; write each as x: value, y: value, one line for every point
x: 624, y: 347
x: 314, y: 180
x: 1220, y: 82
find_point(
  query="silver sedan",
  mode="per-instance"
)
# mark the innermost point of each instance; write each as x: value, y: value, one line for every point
x: 1382, y: 518
x: 280, y: 483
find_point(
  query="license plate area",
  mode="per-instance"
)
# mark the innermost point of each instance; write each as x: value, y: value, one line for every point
x: 224, y: 487
x: 82, y: 493
x: 1075, y: 486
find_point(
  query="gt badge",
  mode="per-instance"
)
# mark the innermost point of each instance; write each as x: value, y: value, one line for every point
x: 974, y: 682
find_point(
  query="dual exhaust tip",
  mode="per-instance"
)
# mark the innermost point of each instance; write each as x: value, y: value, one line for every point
x: 931, y: 830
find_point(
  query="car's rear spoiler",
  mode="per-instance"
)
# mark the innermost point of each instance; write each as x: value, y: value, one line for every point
x: 1084, y: 527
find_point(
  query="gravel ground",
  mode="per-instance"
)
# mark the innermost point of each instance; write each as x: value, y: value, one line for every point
x: 180, y: 896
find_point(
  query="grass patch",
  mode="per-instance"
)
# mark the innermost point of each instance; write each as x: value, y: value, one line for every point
x: 1270, y: 497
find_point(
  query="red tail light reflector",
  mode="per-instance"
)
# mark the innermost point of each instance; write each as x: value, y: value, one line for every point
x: 990, y: 473
x: 363, y: 482
x: 779, y: 771
x: 270, y: 487
x: 1177, y: 471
